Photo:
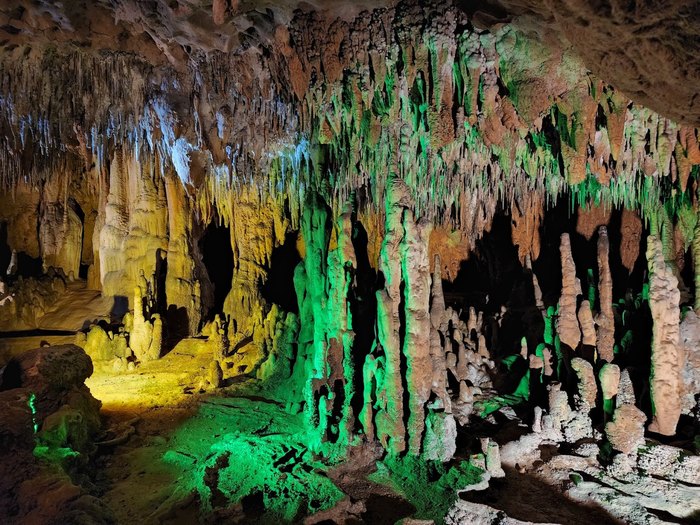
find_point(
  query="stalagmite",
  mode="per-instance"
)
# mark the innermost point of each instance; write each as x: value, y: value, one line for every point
x: 609, y: 376
x: 493, y: 458
x: 696, y: 265
x: 438, y: 325
x: 416, y: 348
x: 567, y: 322
x: 145, y: 334
x: 585, y: 320
x: 604, y: 320
x: 625, y: 390
x: 389, y: 418
x: 665, y: 380
x: 626, y: 431
x: 690, y: 372
x: 587, y: 388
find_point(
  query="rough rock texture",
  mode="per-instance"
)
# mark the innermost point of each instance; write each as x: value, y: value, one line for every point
x: 642, y: 49
x: 56, y: 368
x: 667, y: 353
x: 480, y: 514
x: 631, y: 231
x: 587, y: 387
x: 626, y: 431
x: 690, y: 371
x: 50, y: 414
x: 567, y: 321
x: 605, y: 323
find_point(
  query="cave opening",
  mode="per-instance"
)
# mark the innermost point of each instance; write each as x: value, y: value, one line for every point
x: 217, y: 255
x: 493, y: 281
x: 363, y: 308
x: 279, y: 286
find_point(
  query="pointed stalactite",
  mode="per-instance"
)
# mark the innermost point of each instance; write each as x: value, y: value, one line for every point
x: 666, y: 355
x: 605, y: 321
x: 567, y: 321
x: 631, y: 233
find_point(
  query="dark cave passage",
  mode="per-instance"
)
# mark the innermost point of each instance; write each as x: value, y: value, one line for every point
x: 5, y: 252
x: 279, y: 287
x: 217, y: 255
x: 491, y: 278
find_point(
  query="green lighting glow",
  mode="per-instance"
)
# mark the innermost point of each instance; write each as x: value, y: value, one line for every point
x: 32, y: 406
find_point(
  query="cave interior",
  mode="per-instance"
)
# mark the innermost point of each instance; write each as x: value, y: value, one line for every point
x: 334, y: 262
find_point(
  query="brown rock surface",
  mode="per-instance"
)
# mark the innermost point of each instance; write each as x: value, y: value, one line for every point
x: 626, y: 431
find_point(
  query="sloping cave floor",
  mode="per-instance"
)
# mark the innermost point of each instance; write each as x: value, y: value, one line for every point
x: 149, y: 414
x: 156, y: 429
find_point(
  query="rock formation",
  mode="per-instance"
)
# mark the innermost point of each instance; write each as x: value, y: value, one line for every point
x: 340, y: 245
x: 666, y: 355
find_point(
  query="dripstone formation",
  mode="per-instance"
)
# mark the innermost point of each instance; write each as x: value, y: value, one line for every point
x: 347, y: 263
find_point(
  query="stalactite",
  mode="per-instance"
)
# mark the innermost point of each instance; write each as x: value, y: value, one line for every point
x: 631, y: 232
x: 665, y: 381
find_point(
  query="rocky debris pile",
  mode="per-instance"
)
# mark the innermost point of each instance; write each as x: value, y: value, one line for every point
x: 48, y: 419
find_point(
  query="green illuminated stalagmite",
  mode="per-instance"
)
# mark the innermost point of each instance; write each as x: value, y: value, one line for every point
x: 322, y: 282
x: 389, y: 407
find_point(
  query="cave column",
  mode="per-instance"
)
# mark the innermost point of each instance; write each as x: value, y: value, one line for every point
x: 389, y: 419
x: 567, y: 320
x: 181, y: 287
x: 416, y: 348
x: 605, y: 321
x: 666, y: 355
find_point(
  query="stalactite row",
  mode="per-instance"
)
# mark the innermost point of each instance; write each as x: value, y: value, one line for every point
x: 462, y: 116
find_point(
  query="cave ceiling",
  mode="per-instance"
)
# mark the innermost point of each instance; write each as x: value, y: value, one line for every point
x: 648, y: 50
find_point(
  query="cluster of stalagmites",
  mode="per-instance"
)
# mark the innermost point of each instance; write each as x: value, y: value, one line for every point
x: 584, y: 344
x: 426, y: 366
x: 139, y: 337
